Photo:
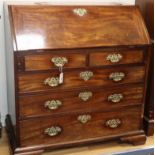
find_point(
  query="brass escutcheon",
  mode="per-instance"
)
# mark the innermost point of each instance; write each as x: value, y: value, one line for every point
x: 86, y: 75
x: 113, y: 123
x: 117, y: 76
x: 52, y: 81
x: 114, y: 58
x: 84, y: 118
x: 53, y: 104
x: 80, y: 11
x: 85, y: 96
x: 59, y: 61
x: 115, y: 98
x: 53, y: 131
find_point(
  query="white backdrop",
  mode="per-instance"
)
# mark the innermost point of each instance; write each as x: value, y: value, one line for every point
x: 3, y: 96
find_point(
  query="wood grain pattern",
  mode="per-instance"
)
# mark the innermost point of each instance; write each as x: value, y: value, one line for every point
x: 35, y: 82
x: 40, y: 32
x: 98, y: 148
x: 33, y: 105
x: 55, y: 27
x: 100, y: 58
x: 32, y: 131
x: 43, y: 62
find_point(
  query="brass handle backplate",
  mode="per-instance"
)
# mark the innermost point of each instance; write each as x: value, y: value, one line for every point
x: 113, y: 123
x: 114, y: 58
x: 117, y: 76
x: 52, y: 81
x: 86, y: 75
x: 53, y: 131
x: 53, y: 104
x: 85, y: 96
x: 84, y: 118
x: 115, y: 98
x: 80, y: 11
x: 59, y: 61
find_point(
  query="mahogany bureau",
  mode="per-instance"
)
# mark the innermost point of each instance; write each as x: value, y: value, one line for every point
x: 76, y: 75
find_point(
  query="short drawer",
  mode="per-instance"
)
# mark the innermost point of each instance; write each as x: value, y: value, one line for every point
x: 75, y: 101
x: 114, y: 58
x: 34, y: 82
x: 48, y: 61
x: 76, y: 127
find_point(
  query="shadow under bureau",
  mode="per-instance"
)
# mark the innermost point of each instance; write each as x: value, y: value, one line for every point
x: 76, y: 75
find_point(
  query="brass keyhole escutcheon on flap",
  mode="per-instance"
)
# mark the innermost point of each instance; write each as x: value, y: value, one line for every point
x: 52, y: 81
x: 85, y: 96
x: 113, y: 123
x: 84, y: 118
x: 115, y: 98
x: 117, y: 76
x: 53, y: 131
x: 59, y: 61
x: 53, y: 104
x: 86, y: 75
x: 114, y: 58
x: 80, y: 11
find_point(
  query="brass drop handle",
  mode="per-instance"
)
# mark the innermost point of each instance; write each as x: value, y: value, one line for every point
x: 114, y: 58
x: 80, y: 11
x: 86, y: 75
x: 117, y: 76
x: 115, y: 98
x: 59, y: 61
x: 53, y: 131
x: 84, y: 118
x: 53, y: 104
x: 85, y: 96
x: 113, y: 123
x: 52, y: 81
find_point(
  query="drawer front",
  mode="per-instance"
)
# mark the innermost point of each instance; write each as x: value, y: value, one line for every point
x: 31, y: 82
x: 49, y: 61
x: 114, y: 58
x: 73, y: 128
x: 86, y: 100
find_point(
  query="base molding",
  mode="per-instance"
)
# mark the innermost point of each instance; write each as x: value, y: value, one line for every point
x: 10, y: 133
x: 136, y: 138
x: 14, y: 149
x: 37, y: 152
x: 148, y: 126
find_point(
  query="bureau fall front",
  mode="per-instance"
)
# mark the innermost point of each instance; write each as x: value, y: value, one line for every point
x: 76, y: 75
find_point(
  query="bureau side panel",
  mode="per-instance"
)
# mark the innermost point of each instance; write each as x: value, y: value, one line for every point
x: 10, y: 67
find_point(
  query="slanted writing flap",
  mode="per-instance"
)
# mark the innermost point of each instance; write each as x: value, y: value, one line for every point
x: 60, y: 27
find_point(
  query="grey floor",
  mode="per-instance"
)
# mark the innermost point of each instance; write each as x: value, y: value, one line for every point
x: 146, y: 151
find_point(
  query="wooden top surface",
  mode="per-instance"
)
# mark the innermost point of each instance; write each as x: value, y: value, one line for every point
x: 59, y: 27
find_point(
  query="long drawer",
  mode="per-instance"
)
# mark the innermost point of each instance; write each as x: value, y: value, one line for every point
x: 34, y: 82
x: 86, y: 100
x: 83, y: 126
